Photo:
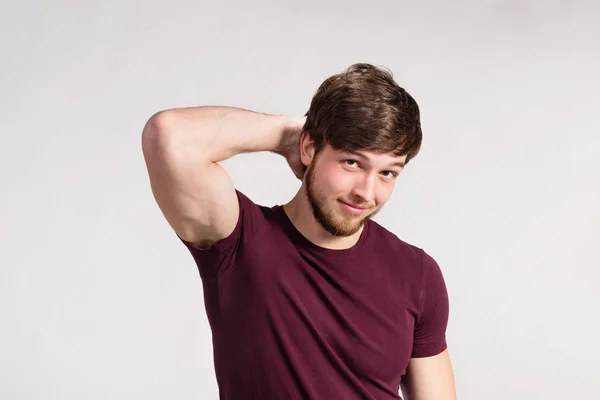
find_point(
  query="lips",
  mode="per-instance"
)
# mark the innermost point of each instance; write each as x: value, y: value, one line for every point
x: 352, y: 208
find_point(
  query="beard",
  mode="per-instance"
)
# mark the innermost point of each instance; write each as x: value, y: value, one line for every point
x: 333, y: 223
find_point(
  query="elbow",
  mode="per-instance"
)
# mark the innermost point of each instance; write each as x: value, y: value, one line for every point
x: 158, y: 130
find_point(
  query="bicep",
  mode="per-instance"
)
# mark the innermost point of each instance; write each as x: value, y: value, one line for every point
x: 429, y: 378
x: 196, y: 196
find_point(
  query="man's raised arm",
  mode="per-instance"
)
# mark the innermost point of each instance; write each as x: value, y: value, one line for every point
x: 182, y: 148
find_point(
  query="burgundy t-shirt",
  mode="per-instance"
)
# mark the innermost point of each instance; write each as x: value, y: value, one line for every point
x: 292, y: 320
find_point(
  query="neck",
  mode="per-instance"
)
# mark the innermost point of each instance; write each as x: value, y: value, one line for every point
x: 299, y: 211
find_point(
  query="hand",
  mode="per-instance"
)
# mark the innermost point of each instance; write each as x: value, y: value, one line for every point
x: 291, y: 146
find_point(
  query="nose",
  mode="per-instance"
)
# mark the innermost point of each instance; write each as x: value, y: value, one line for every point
x: 364, y: 189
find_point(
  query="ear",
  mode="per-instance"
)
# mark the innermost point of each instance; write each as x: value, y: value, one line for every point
x: 307, y: 148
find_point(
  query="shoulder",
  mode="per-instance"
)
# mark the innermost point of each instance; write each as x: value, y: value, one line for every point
x: 251, y: 207
x: 253, y: 225
x: 251, y: 221
x: 259, y: 224
x: 387, y: 240
x: 404, y: 254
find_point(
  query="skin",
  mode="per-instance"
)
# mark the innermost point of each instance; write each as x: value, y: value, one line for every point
x: 429, y: 378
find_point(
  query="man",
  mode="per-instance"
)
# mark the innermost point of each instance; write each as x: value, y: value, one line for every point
x: 311, y: 299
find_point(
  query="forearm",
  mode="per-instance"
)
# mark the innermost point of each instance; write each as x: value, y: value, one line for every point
x: 216, y: 133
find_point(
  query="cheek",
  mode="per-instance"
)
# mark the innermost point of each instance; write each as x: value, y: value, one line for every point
x: 383, y: 193
x: 337, y: 180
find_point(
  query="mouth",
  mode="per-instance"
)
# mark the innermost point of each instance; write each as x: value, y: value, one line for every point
x: 356, y: 210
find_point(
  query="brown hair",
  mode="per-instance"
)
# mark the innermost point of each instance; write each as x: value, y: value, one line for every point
x: 363, y: 108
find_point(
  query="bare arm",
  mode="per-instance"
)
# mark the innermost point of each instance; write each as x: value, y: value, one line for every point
x: 429, y: 378
x: 182, y: 148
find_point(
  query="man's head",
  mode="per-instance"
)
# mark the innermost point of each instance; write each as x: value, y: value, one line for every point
x: 360, y: 131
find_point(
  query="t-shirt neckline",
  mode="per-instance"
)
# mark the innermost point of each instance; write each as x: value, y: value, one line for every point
x: 300, y: 240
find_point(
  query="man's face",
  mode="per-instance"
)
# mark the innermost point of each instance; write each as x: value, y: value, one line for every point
x: 345, y: 189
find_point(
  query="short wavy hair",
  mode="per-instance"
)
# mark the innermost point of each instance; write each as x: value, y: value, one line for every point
x: 363, y: 108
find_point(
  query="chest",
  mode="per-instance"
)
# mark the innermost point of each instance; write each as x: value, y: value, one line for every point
x: 361, y: 310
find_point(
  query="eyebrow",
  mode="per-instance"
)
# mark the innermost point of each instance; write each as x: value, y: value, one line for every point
x: 361, y: 155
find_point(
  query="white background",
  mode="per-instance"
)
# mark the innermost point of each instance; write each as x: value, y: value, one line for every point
x: 99, y: 299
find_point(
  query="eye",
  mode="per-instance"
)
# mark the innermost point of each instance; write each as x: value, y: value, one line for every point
x: 389, y: 174
x: 351, y: 163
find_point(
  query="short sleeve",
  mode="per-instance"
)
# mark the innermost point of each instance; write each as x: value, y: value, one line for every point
x: 432, y: 321
x: 214, y: 260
